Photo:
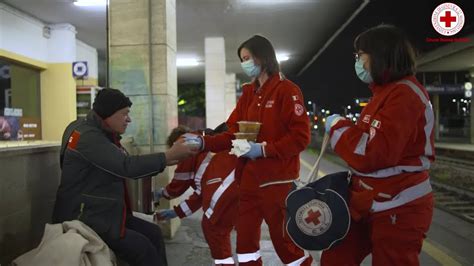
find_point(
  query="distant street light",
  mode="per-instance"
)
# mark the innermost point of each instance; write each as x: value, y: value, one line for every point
x: 468, y: 86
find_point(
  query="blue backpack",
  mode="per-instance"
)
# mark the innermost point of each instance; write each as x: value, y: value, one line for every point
x: 317, y: 214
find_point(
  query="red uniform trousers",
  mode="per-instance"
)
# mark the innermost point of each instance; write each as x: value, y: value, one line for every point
x: 267, y: 203
x: 220, y: 199
x: 394, y: 237
x: 218, y: 235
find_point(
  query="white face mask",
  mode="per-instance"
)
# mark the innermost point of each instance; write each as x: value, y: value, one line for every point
x: 250, y: 68
x: 363, y: 74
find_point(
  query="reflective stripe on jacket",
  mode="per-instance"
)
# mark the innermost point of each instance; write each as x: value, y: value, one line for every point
x: 391, y: 146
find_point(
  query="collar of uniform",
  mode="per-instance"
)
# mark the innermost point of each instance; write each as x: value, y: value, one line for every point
x: 376, y: 89
x: 271, y: 82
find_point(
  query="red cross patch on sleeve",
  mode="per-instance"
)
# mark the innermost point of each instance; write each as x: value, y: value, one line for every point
x: 299, y: 109
x: 73, y: 140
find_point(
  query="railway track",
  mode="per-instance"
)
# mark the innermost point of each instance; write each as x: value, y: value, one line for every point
x: 459, y: 164
x: 454, y: 200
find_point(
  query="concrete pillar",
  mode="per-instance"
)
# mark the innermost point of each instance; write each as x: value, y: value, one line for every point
x: 142, y: 60
x: 230, y: 94
x: 215, y: 81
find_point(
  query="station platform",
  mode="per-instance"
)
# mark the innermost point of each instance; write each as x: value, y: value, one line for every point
x: 450, y: 240
x: 463, y: 151
x: 455, y: 146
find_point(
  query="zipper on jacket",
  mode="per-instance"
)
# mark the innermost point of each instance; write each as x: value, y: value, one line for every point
x: 81, y: 211
x: 98, y: 197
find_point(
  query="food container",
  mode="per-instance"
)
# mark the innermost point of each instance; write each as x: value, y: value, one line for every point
x: 247, y: 136
x: 193, y: 143
x: 249, y: 126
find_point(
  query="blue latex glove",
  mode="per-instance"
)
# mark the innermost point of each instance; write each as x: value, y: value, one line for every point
x: 157, y: 194
x: 331, y: 121
x: 193, y: 139
x: 255, y: 151
x: 167, y: 214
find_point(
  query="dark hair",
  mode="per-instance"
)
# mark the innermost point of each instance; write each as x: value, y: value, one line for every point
x: 262, y: 50
x: 176, y: 133
x: 392, y: 56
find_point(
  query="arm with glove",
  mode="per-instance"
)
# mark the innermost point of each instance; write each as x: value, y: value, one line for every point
x: 256, y: 151
x: 184, y: 209
x: 166, y: 214
x: 331, y: 121
x: 381, y: 143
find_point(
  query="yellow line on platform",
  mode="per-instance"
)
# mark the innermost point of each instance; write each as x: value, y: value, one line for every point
x: 437, y: 254
x: 440, y: 256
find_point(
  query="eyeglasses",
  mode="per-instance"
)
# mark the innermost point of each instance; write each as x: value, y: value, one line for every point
x: 358, y: 54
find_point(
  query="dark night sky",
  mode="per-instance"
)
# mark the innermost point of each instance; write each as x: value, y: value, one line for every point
x: 331, y: 81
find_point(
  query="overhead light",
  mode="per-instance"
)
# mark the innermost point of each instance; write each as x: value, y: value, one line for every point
x: 273, y: 2
x: 282, y: 57
x: 186, y: 62
x: 90, y: 2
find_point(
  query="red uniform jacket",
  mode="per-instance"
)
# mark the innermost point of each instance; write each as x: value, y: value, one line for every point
x: 188, y: 173
x: 217, y: 189
x: 391, y: 146
x: 279, y: 106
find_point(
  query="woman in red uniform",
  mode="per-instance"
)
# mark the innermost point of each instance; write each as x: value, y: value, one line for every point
x: 389, y: 151
x: 272, y: 163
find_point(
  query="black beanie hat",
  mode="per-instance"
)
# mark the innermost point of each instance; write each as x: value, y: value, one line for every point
x: 108, y: 101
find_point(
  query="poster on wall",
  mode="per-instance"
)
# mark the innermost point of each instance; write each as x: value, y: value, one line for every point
x: 20, y: 128
x: 30, y: 128
x: 10, y: 127
x: 14, y: 126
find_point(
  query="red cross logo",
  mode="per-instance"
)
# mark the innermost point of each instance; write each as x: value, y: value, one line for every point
x: 313, y: 217
x: 447, y: 19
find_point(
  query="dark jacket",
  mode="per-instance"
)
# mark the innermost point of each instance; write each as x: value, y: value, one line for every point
x: 94, y: 166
